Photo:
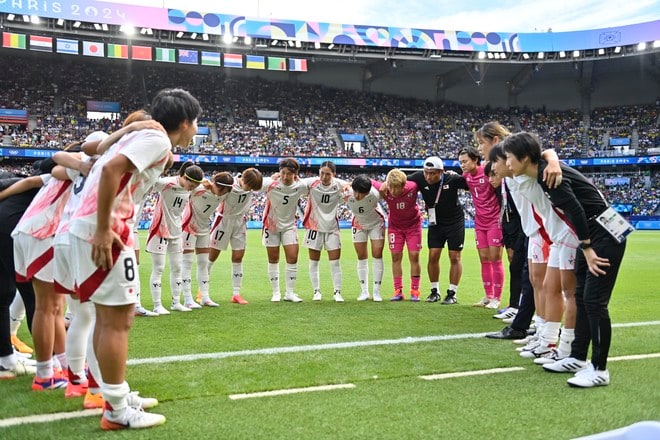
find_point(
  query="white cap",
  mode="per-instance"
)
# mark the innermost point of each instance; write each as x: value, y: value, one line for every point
x: 96, y: 136
x: 433, y: 163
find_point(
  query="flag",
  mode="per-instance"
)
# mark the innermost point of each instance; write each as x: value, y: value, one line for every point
x: 141, y: 53
x: 210, y: 58
x: 41, y: 44
x: 188, y: 56
x: 93, y: 49
x: 15, y: 41
x: 297, y: 65
x: 255, y: 62
x: 67, y: 46
x: 276, y: 63
x: 233, y: 60
x: 165, y: 55
x: 118, y: 51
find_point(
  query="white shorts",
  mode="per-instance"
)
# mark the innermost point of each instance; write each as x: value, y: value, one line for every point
x: 538, y: 250
x: 229, y: 232
x: 364, y: 235
x: 562, y: 257
x: 33, y: 258
x: 160, y: 245
x: 318, y: 240
x: 114, y: 287
x: 284, y: 238
x: 190, y: 241
x: 62, y: 270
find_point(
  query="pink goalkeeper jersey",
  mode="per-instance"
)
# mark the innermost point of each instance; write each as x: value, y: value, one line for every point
x: 404, y: 212
x: 148, y: 152
x: 42, y: 217
x: 486, y: 205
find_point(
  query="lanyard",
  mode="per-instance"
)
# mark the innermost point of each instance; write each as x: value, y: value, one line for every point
x: 505, y: 201
x: 437, y: 196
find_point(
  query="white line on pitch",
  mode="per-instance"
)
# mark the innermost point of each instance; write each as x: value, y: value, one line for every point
x: 291, y: 391
x: 633, y: 357
x: 44, y: 418
x: 331, y: 346
x: 470, y: 373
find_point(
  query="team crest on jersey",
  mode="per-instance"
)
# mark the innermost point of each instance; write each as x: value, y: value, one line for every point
x: 445, y: 186
x: 482, y: 181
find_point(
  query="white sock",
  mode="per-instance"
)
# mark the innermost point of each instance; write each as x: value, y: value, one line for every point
x: 550, y: 334
x: 203, y: 276
x: 186, y: 274
x: 157, y: 267
x: 274, y: 275
x: 453, y: 287
x: 176, y: 282
x: 291, y: 277
x: 138, y: 287
x: 435, y: 285
x: 377, y: 269
x: 363, y: 275
x: 565, y: 340
x: 16, y: 313
x: 335, y: 271
x: 314, y: 275
x: 45, y: 369
x: 236, y: 277
x: 115, y: 396
x: 76, y: 336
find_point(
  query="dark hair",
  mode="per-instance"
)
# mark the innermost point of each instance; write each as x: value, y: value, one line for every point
x: 252, y: 178
x: 223, y: 179
x: 330, y: 165
x: 290, y: 163
x: 488, y: 169
x: 191, y: 172
x: 496, y: 153
x: 522, y: 145
x: 171, y: 107
x: 472, y: 153
x: 361, y: 184
x: 184, y: 166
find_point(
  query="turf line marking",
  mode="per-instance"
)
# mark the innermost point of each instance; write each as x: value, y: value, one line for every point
x: 330, y: 346
x: 291, y: 391
x: 633, y: 357
x: 45, y: 418
x: 470, y: 373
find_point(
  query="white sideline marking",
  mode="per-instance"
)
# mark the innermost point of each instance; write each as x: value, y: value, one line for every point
x: 291, y: 391
x: 331, y: 346
x: 470, y: 373
x: 44, y: 418
x: 633, y: 357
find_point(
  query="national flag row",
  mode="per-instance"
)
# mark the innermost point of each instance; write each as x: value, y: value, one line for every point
x: 148, y: 53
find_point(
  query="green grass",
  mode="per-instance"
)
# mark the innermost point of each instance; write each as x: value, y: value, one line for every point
x: 389, y: 400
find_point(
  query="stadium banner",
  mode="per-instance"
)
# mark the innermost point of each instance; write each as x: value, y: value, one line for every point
x: 41, y: 44
x: 165, y: 55
x: 276, y: 63
x: 188, y: 56
x: 233, y: 60
x: 255, y: 62
x: 12, y: 116
x: 93, y: 49
x: 13, y: 41
x: 142, y: 53
x: 297, y: 65
x: 214, y: 23
x: 64, y: 45
x: 118, y: 51
x: 103, y: 106
x: 210, y: 58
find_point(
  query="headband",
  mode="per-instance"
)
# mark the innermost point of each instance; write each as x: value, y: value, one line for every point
x: 191, y: 179
x: 223, y: 184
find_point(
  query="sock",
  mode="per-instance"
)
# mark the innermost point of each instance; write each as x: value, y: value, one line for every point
x: 363, y: 275
x: 398, y: 283
x: 314, y: 275
x: 377, y: 269
x: 203, y: 274
x: 16, y: 313
x: 138, y: 288
x: 94, y: 378
x: 176, y: 282
x: 76, y: 337
x: 453, y: 287
x: 435, y: 285
x: 236, y: 277
x: 335, y: 271
x: 115, y: 397
x: 566, y: 338
x: 498, y: 278
x: 487, y: 278
x: 186, y: 275
x: 157, y: 267
x: 414, y: 282
x: 60, y: 358
x: 291, y: 277
x: 550, y: 334
x: 45, y: 369
x: 274, y: 275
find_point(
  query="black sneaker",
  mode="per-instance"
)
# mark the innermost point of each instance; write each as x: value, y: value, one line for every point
x: 433, y: 297
x: 508, y: 333
x: 450, y: 298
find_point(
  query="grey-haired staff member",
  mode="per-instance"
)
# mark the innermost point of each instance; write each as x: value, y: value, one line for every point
x: 446, y: 223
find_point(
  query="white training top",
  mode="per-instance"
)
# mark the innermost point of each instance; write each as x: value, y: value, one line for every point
x: 197, y: 213
x: 367, y: 213
x: 281, y: 204
x: 321, y: 210
x: 168, y: 213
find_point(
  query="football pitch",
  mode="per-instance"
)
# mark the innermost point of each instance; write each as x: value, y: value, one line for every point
x: 358, y: 370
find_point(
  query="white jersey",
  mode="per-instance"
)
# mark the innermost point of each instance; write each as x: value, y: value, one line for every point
x: 554, y: 221
x: 529, y: 225
x: 42, y: 216
x: 172, y: 199
x: 74, y: 201
x: 148, y: 152
x: 321, y: 210
x: 236, y: 203
x: 281, y: 204
x: 197, y: 213
x: 367, y: 213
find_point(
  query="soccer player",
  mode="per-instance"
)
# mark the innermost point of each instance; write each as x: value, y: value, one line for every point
x: 322, y: 226
x: 229, y: 228
x: 196, y: 227
x: 279, y: 226
x: 102, y: 227
x: 368, y: 224
x: 596, y: 266
x: 404, y: 229
x: 165, y: 235
x: 446, y: 223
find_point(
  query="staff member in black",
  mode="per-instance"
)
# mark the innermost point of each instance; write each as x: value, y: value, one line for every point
x: 446, y: 223
x: 596, y: 267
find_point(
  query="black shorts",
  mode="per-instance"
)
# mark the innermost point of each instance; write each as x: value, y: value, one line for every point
x: 453, y: 235
x: 514, y: 241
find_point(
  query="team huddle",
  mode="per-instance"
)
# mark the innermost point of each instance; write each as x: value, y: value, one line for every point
x: 77, y: 238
